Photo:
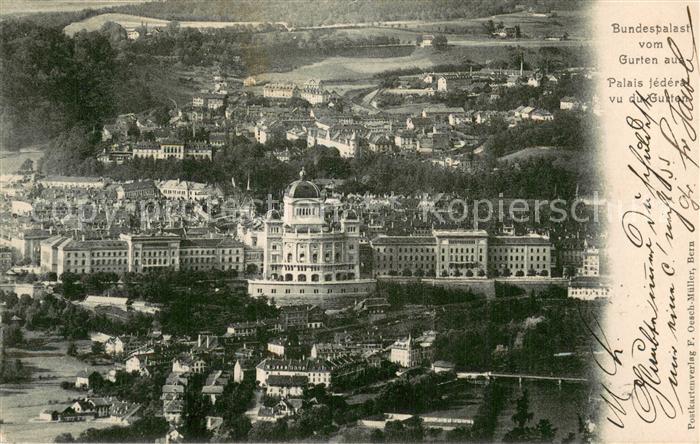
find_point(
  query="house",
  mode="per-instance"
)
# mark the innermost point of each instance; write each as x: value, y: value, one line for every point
x: 452, y: 83
x: 171, y: 392
x: 101, y: 406
x: 114, y: 346
x: 314, y: 93
x: 142, y: 189
x: 588, y: 288
x: 173, y: 436
x: 285, y: 386
x: 172, y: 411
x: 189, y: 364
x: 241, y: 330
x: 243, y: 370
x: 380, y: 143
x: 441, y: 113
x: 83, y: 407
x: 373, y: 307
x: 280, y: 90
x: 209, y: 101
x: 541, y: 115
x: 423, y: 124
x: 524, y: 112
x: 186, y: 190
x: 139, y: 363
x: 456, y: 119
x: 316, y: 372
x: 533, y: 81
x: 217, y: 139
x: 48, y: 415
x: 425, y: 40
x: 277, y: 346
x: 569, y: 103
x: 214, y: 423
x: 285, y: 408
x: 82, y: 380
x: 334, y: 351
x: 300, y: 317
x: 412, y: 352
x: 341, y: 137
x: 123, y: 412
x: 215, y: 384
x: 405, y: 140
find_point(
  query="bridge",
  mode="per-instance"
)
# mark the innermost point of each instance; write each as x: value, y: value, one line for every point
x: 519, y: 377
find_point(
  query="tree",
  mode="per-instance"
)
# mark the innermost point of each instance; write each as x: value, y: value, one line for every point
x: 64, y: 437
x: 27, y: 166
x: 114, y: 32
x: 12, y: 335
x: 522, y: 414
x: 251, y: 269
x: 520, y: 273
x: 440, y: 42
x: 546, y: 430
x: 97, y: 348
x: 542, y: 432
x: 489, y: 27
x: 96, y: 381
x: 406, y: 272
x: 72, y: 349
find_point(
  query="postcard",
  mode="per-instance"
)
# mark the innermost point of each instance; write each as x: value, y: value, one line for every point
x: 372, y: 221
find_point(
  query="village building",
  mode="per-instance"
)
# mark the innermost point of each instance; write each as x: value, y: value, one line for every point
x: 413, y: 352
x: 280, y: 90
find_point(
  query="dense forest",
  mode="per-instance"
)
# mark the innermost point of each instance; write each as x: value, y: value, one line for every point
x: 52, y: 83
x: 325, y: 12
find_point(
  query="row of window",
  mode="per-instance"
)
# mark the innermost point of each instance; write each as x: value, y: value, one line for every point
x: 302, y: 291
x: 517, y: 258
x: 430, y: 258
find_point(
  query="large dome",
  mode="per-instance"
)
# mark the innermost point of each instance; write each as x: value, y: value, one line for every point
x: 302, y: 189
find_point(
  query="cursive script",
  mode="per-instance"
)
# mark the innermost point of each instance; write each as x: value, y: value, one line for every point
x: 664, y: 162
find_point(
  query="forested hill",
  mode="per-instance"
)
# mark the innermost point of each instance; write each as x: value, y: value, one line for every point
x: 327, y: 12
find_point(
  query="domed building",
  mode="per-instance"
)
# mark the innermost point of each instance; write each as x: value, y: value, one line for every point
x: 309, y: 258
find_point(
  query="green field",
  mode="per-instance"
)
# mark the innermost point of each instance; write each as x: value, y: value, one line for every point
x: 21, y: 7
x: 133, y: 21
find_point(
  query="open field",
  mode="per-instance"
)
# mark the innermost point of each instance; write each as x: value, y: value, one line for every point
x: 355, y: 68
x: 132, y: 21
x: 22, y: 7
x: 352, y: 68
x: 10, y: 161
x: 531, y: 25
x: 22, y: 403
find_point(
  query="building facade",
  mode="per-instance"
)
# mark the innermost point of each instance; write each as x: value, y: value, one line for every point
x: 304, y: 254
x: 140, y: 253
x: 316, y: 372
x: 412, y: 352
x: 461, y: 253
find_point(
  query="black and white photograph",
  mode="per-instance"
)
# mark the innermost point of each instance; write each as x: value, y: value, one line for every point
x: 347, y: 221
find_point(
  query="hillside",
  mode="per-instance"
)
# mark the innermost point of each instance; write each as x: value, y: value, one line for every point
x: 326, y: 12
